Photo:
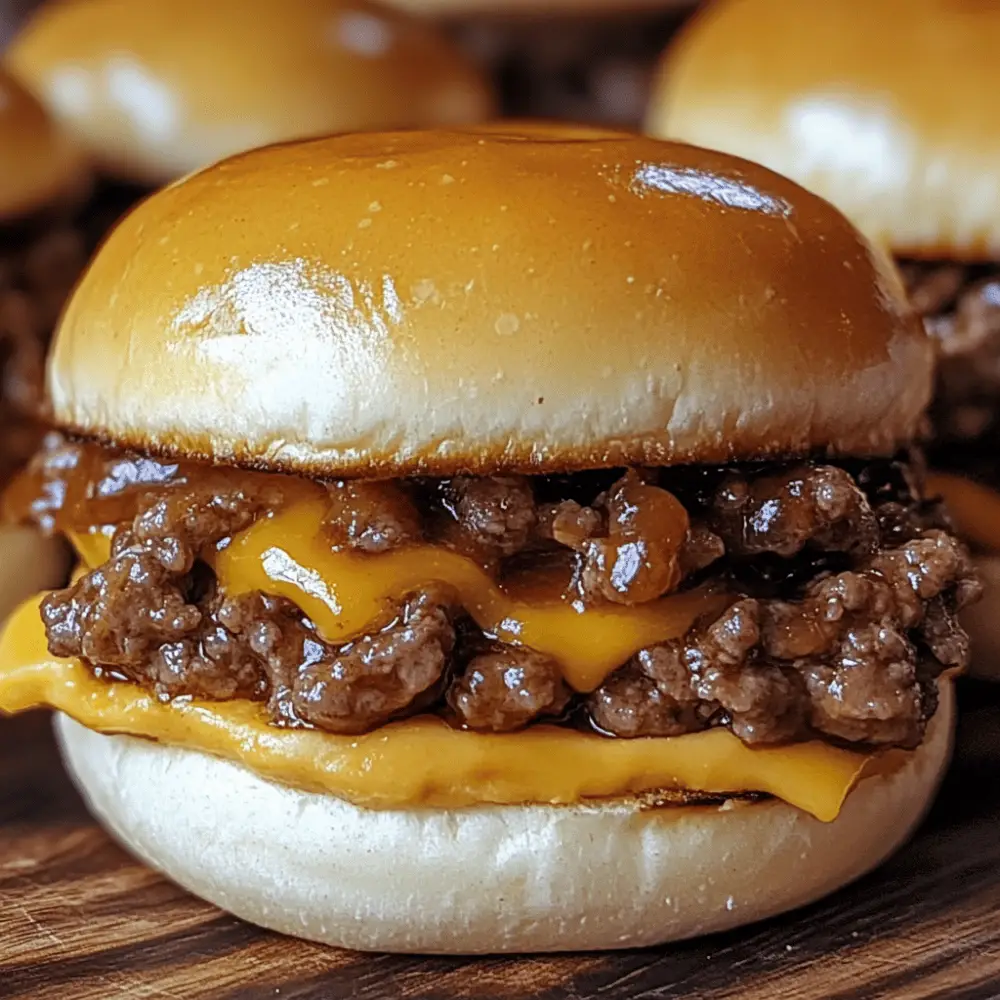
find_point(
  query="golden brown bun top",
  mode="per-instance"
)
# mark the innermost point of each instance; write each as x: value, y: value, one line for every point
x: 435, y: 301
x: 38, y: 164
x: 888, y: 108
x: 158, y: 88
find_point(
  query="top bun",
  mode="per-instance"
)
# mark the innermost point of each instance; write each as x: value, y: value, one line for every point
x: 163, y: 87
x: 442, y: 301
x: 886, y: 107
x: 39, y: 166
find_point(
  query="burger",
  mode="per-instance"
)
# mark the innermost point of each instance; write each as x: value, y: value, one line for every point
x: 577, y: 60
x: 885, y: 109
x: 493, y: 541
x: 157, y: 89
x: 42, y: 182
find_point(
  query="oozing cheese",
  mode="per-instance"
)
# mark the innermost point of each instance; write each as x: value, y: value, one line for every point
x: 974, y: 508
x: 423, y: 762
x: 345, y: 593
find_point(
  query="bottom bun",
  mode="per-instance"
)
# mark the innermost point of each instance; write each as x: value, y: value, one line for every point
x: 490, y: 878
x: 982, y: 622
x: 29, y: 562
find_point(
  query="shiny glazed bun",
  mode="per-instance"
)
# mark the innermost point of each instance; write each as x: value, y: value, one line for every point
x: 160, y: 88
x: 491, y: 878
x: 39, y: 166
x: 885, y: 107
x: 426, y: 302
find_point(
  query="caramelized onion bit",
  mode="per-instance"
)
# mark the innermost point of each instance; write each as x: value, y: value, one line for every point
x: 639, y: 560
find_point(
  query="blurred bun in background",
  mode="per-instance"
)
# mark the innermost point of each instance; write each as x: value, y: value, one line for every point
x: 157, y: 89
x: 39, y: 165
x: 885, y: 107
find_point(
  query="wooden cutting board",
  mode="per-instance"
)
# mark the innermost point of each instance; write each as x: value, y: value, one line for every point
x: 79, y: 919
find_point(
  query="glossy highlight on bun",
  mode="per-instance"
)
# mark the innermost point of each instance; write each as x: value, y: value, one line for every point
x: 430, y: 302
x: 880, y: 106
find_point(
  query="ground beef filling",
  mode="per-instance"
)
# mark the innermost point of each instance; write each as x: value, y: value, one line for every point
x: 844, y: 585
x: 960, y: 305
x: 38, y: 265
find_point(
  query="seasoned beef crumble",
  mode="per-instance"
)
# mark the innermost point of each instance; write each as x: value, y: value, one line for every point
x: 844, y: 585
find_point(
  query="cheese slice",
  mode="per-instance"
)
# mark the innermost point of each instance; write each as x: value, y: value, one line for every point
x: 974, y: 508
x: 423, y: 761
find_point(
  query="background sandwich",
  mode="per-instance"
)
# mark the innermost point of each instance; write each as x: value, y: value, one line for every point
x: 154, y: 90
x: 43, y: 180
x: 884, y: 108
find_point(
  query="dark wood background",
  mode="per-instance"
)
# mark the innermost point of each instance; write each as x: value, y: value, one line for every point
x: 79, y: 920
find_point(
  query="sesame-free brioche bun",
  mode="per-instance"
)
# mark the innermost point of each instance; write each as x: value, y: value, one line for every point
x: 884, y: 107
x: 481, y: 300
x: 160, y: 88
x: 39, y: 166
x: 610, y: 874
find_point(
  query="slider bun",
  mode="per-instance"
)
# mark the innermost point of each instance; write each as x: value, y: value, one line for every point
x: 541, y: 299
x: 160, y: 88
x: 39, y: 165
x: 29, y: 563
x: 493, y: 878
x: 885, y: 107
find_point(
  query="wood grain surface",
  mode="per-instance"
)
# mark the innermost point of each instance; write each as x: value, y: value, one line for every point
x: 80, y: 920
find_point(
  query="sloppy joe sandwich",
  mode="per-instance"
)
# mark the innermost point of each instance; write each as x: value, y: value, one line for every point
x: 494, y: 541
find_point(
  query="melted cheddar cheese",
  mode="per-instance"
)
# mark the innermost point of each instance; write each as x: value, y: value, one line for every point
x: 974, y: 508
x: 423, y: 762
x: 344, y: 593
